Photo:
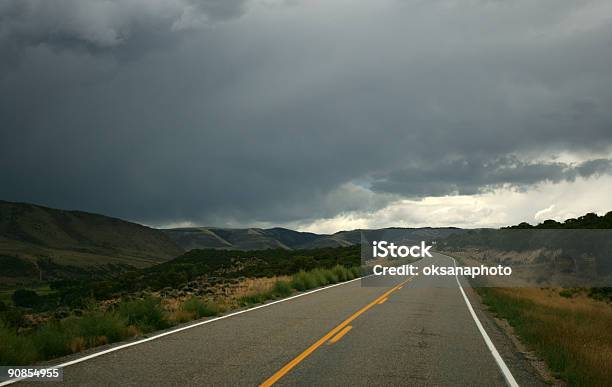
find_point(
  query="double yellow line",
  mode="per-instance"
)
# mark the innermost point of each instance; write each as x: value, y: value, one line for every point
x: 289, y: 366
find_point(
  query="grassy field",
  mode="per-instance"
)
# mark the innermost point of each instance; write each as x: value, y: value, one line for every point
x: 570, y: 331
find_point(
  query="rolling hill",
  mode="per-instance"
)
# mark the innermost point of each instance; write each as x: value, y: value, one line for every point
x: 32, y: 236
x: 274, y: 238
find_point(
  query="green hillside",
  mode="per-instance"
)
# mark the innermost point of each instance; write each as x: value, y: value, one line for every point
x: 35, y: 238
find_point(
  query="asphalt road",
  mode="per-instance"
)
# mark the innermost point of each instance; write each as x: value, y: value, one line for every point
x: 419, y: 333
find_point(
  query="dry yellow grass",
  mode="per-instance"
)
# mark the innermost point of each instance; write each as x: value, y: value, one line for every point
x: 172, y: 304
x: 252, y: 286
x: 550, y: 297
x: 77, y: 344
x: 133, y: 331
x: 225, y: 295
x: 181, y: 316
x: 573, y: 335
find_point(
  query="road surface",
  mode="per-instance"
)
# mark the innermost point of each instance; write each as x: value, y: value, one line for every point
x: 419, y: 333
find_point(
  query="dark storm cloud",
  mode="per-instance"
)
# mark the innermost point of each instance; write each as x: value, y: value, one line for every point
x: 266, y: 113
x: 472, y: 176
x: 103, y: 25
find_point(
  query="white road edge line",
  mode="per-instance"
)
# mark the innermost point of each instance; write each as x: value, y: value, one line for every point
x: 117, y: 348
x: 498, y: 359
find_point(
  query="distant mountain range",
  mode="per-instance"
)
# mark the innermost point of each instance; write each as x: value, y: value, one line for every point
x: 37, y: 241
x: 252, y: 239
x: 274, y: 238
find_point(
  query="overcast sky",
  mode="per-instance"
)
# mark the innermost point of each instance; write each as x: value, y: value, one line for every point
x: 319, y: 115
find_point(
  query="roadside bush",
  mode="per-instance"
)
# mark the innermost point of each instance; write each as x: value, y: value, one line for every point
x: 342, y: 273
x: 14, y: 349
x: 330, y: 276
x: 303, y: 281
x: 98, y: 328
x: 200, y: 308
x: 55, y: 339
x: 51, y: 340
x: 282, y: 289
x: 146, y: 314
x: 319, y: 276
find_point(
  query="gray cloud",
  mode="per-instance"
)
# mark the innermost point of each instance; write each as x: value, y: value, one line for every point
x: 105, y: 25
x: 471, y: 176
x: 270, y: 114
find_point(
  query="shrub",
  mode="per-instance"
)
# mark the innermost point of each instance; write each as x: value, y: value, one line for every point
x: 349, y: 274
x: 282, y: 289
x: 341, y: 272
x: 330, y: 276
x: 73, y: 334
x: 14, y: 349
x: 302, y: 281
x: 305, y: 280
x: 99, y: 328
x: 319, y: 277
x: 51, y: 340
x: 200, y: 308
x: 146, y: 314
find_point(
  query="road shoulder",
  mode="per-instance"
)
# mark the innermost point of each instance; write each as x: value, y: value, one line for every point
x: 526, y: 367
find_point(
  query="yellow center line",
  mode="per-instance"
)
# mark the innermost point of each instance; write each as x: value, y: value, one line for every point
x: 340, y: 334
x: 289, y: 366
x: 383, y: 300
